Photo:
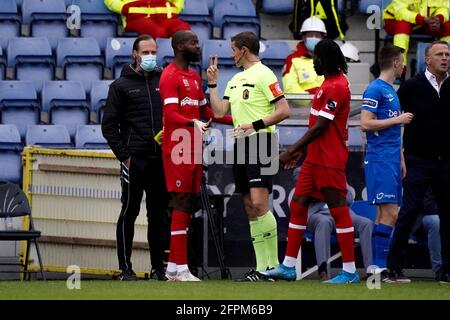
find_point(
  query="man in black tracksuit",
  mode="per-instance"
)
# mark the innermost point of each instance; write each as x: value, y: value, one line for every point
x: 426, y: 142
x: 131, y: 120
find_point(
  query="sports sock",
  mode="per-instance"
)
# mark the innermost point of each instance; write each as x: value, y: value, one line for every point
x: 345, y: 235
x: 382, y: 241
x: 296, y: 231
x: 178, y: 237
x: 268, y: 225
x: 258, y: 245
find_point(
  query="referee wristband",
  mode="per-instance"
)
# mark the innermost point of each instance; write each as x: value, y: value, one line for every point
x: 258, y: 124
x: 212, y: 85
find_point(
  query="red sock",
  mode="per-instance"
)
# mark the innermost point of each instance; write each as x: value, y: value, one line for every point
x: 297, y: 227
x: 344, y: 231
x: 178, y: 237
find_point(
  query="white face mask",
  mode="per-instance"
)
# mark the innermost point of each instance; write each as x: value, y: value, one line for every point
x: 148, y: 62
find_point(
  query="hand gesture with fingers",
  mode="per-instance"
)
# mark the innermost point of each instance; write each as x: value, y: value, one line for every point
x: 212, y: 71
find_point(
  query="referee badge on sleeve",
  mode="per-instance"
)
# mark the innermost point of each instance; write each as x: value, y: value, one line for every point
x: 245, y: 94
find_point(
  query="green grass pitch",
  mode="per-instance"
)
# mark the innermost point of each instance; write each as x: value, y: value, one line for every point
x: 220, y: 290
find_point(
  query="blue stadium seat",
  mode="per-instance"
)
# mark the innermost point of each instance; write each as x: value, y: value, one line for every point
x: 81, y: 60
x: 420, y: 56
x: 10, y: 158
x: 276, y: 7
x: 97, y: 21
x: 9, y: 22
x: 364, y: 4
x: 99, y: 94
x: 46, y: 18
x: 65, y: 101
x: 19, y: 104
x: 355, y: 139
x: 210, y: 5
x: 196, y: 13
x: 288, y: 135
x: 365, y: 209
x: 273, y: 54
x: 234, y: 16
x: 31, y: 59
x: 165, y: 53
x: 118, y: 54
x: 48, y: 136
x: 90, y: 137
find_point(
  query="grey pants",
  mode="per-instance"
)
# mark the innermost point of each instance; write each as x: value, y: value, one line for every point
x: 322, y: 225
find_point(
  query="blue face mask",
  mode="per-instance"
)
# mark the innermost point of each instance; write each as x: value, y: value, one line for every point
x: 311, y: 43
x: 148, y: 62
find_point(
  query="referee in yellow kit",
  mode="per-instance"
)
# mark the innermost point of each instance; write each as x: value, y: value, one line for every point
x: 257, y: 103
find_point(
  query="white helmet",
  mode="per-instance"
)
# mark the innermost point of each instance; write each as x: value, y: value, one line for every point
x: 350, y: 51
x: 313, y: 24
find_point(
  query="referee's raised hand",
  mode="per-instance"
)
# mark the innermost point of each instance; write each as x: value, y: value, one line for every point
x: 212, y: 71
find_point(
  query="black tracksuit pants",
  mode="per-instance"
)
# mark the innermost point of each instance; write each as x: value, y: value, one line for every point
x: 420, y: 174
x: 144, y: 174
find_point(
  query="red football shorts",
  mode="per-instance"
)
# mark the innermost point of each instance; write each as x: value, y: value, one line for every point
x: 313, y: 178
x: 182, y: 177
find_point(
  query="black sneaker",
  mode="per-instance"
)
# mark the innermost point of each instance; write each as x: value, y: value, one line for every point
x: 396, y: 277
x: 442, y: 277
x: 253, y: 276
x: 157, y: 274
x: 127, y: 275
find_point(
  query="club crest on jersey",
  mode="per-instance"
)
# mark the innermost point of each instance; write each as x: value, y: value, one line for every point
x: 245, y: 94
x: 186, y: 82
x: 331, y: 105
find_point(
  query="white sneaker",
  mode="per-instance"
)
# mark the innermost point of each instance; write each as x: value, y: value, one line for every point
x: 186, y: 276
x: 171, y: 276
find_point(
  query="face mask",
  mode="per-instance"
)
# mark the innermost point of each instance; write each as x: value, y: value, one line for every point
x: 311, y: 43
x: 148, y: 62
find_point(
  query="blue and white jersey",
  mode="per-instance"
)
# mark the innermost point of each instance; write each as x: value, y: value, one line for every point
x: 381, y: 99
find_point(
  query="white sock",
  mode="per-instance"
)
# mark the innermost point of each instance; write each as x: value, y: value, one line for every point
x: 171, y: 267
x: 289, y: 261
x: 182, y: 268
x: 349, y: 267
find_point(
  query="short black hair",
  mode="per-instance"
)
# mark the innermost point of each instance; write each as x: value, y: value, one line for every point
x: 247, y: 39
x: 142, y: 37
x: 331, y: 57
x: 428, y: 48
x: 387, y: 55
x: 181, y: 37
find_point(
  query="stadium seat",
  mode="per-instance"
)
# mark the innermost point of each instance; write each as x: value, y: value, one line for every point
x: 358, y: 72
x: 288, y: 135
x: 355, y: 139
x: 65, y: 101
x: 2, y: 66
x: 48, y: 136
x: 165, y: 53
x: 80, y: 59
x: 90, y: 137
x: 196, y: 13
x: 276, y: 7
x: 99, y: 94
x: 420, y: 56
x: 118, y: 53
x: 365, y: 209
x: 19, y: 104
x: 210, y: 5
x: 31, y: 59
x: 46, y: 18
x: 97, y: 21
x: 9, y: 22
x: 10, y: 158
x: 273, y: 54
x: 234, y: 16
x: 365, y: 4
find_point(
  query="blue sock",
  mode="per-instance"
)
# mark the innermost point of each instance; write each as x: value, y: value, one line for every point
x: 382, y: 243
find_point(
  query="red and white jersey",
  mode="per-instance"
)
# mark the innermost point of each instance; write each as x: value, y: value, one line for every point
x: 332, y: 101
x: 182, y: 96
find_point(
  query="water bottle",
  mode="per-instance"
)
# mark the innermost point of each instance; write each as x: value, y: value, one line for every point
x: 9, y: 223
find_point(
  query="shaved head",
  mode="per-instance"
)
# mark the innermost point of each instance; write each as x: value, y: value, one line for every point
x: 181, y: 37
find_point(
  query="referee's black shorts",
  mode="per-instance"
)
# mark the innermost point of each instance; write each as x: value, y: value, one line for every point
x: 251, y: 154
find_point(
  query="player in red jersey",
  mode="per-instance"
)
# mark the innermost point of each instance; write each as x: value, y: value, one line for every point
x: 184, y: 105
x: 322, y: 176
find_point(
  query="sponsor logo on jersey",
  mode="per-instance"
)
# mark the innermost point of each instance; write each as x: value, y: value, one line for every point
x: 276, y: 89
x: 188, y: 101
x: 371, y: 103
x: 331, y: 105
x: 393, y: 113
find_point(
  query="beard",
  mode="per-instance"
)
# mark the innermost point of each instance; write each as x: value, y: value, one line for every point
x: 191, y: 56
